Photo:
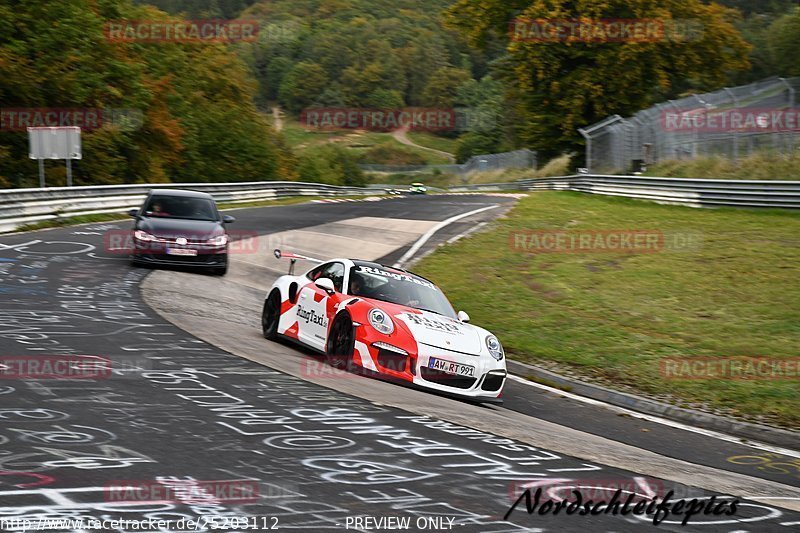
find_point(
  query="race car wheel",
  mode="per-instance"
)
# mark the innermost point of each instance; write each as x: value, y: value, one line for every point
x: 341, y: 342
x: 271, y: 315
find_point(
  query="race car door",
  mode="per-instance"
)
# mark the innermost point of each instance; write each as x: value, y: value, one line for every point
x: 312, y: 302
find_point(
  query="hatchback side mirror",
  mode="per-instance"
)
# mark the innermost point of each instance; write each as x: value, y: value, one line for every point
x: 227, y: 219
x: 463, y: 317
x: 133, y: 213
x: 326, y: 284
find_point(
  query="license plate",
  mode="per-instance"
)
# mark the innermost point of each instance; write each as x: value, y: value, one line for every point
x: 448, y: 367
x: 181, y: 251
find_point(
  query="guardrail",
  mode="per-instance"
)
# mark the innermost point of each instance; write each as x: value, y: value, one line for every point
x: 25, y: 206
x: 681, y: 191
x: 19, y: 207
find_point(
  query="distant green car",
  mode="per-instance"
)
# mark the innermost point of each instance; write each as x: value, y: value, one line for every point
x: 417, y: 188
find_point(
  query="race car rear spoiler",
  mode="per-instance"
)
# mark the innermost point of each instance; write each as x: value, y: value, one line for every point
x: 293, y: 259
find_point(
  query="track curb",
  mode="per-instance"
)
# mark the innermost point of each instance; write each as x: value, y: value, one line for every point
x: 737, y: 428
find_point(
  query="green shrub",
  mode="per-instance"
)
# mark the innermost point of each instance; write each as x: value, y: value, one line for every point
x: 391, y: 154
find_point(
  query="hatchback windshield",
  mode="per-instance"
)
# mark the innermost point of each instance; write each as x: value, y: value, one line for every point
x: 399, y: 288
x: 181, y: 207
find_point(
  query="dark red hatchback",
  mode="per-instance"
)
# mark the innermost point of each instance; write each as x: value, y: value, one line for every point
x: 176, y: 227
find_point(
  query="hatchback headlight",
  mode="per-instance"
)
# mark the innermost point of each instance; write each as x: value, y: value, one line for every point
x: 220, y: 240
x: 140, y: 235
x: 495, y: 348
x: 381, y: 321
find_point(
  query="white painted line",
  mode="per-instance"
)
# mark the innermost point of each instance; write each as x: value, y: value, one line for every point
x: 470, y: 231
x: 662, y: 421
x: 425, y: 238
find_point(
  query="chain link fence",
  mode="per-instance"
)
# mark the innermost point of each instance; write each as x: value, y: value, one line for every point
x: 731, y: 123
x: 478, y: 163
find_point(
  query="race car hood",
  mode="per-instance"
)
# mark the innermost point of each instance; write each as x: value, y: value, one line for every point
x: 437, y: 331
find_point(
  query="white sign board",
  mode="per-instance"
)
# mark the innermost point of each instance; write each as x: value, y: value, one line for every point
x: 55, y: 143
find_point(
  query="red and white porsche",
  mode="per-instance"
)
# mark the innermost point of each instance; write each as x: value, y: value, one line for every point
x: 387, y: 321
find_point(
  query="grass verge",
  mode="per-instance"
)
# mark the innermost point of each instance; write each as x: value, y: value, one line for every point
x: 306, y: 141
x: 613, y: 317
x: 71, y: 221
x: 761, y: 166
x: 436, y: 142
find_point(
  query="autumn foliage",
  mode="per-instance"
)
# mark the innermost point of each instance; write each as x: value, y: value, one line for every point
x: 197, y: 121
x: 557, y: 87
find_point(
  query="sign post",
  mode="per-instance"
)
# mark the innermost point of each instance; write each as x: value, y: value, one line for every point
x: 55, y: 143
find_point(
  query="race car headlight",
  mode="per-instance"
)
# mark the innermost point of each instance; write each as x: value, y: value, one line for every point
x: 495, y: 349
x: 140, y: 235
x: 220, y: 240
x: 381, y: 321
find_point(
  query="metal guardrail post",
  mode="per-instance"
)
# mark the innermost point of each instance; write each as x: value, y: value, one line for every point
x: 588, y: 139
x: 791, y: 103
x: 734, y: 137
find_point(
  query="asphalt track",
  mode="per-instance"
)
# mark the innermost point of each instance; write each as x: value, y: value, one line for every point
x: 221, y: 403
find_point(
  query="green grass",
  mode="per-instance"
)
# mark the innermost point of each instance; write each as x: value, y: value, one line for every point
x: 297, y: 136
x: 430, y: 140
x: 761, y: 166
x: 72, y: 221
x: 305, y: 141
x: 266, y: 203
x: 612, y: 318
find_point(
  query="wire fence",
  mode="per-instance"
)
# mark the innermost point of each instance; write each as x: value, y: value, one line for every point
x: 731, y: 123
x: 478, y: 163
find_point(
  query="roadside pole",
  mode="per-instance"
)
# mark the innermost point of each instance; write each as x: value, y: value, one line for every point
x: 55, y: 143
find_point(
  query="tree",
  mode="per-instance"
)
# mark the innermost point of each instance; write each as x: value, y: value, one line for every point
x: 443, y: 86
x: 556, y: 87
x: 3, y: 154
x: 474, y: 143
x: 378, y: 68
x: 384, y: 99
x: 333, y: 165
x: 481, y: 104
x: 421, y: 58
x: 783, y: 41
x: 302, y: 85
x: 275, y: 72
x: 197, y: 119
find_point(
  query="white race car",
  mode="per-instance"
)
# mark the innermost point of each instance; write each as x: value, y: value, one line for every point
x: 386, y: 321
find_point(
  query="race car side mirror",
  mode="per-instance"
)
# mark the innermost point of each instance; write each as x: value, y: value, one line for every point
x: 463, y: 317
x: 326, y: 284
x: 133, y: 213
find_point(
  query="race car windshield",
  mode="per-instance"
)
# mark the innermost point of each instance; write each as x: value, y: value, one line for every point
x: 399, y: 288
x: 181, y: 207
